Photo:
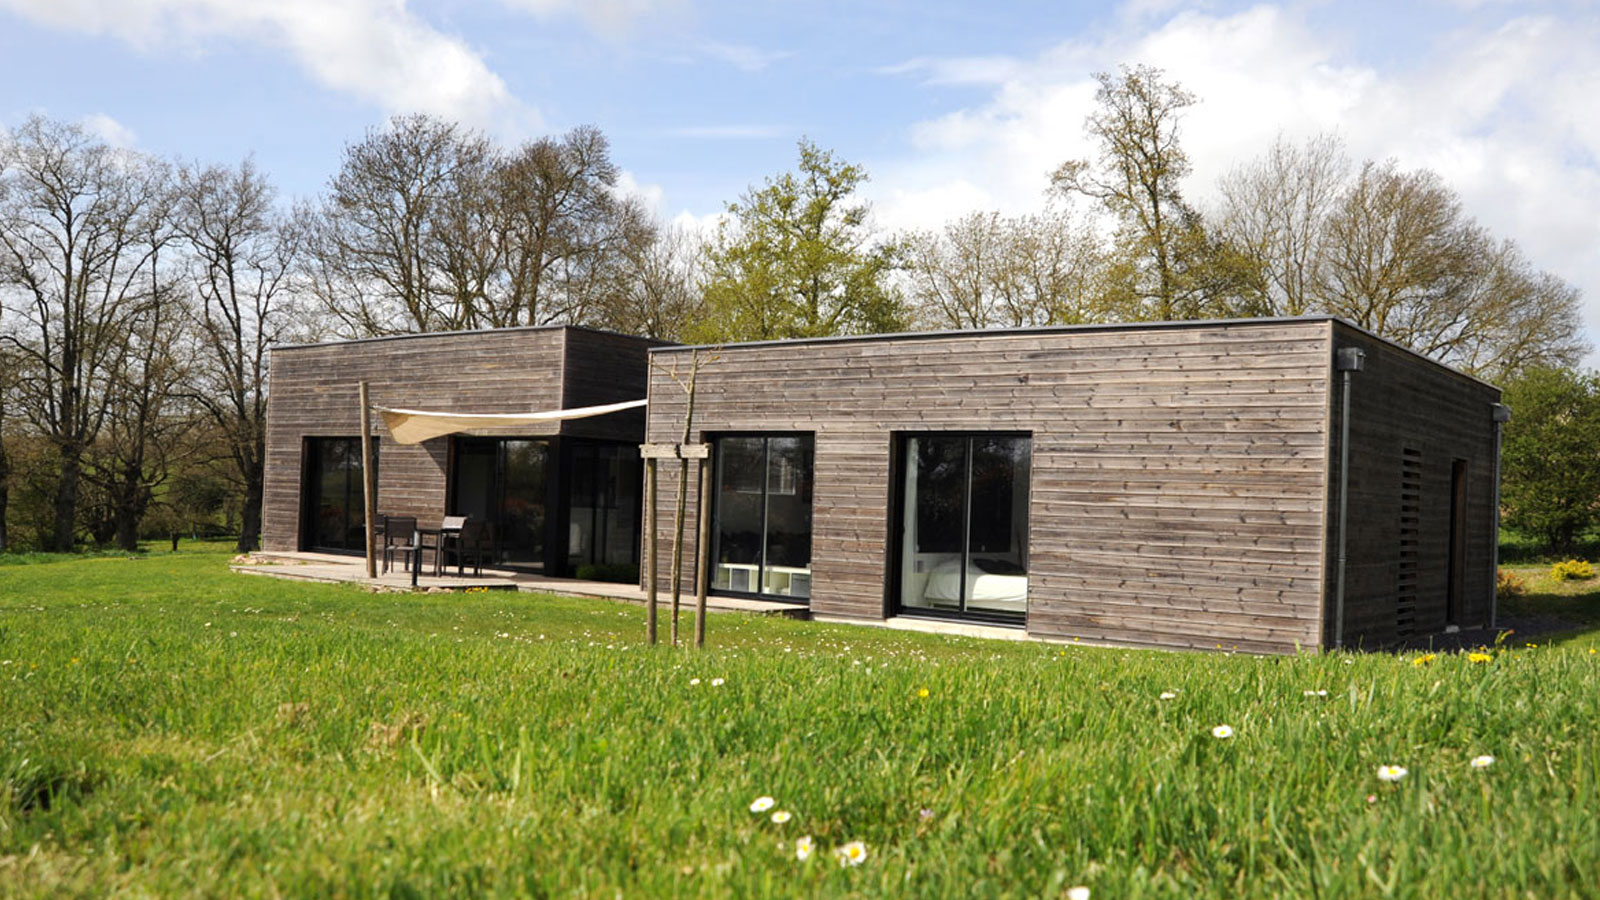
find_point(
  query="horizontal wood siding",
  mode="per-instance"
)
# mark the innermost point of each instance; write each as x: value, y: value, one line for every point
x: 314, y: 394
x: 1178, y: 492
x: 1401, y: 401
x: 602, y: 367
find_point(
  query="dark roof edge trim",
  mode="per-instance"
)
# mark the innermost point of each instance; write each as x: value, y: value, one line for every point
x: 467, y: 333
x: 1076, y: 329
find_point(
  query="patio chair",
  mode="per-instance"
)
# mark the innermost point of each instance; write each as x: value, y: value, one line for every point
x: 399, y: 534
x: 475, y: 541
x: 449, y: 535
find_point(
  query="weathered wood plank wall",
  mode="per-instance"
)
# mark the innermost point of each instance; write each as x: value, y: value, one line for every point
x: 1178, y: 491
x: 1402, y: 402
x: 313, y: 394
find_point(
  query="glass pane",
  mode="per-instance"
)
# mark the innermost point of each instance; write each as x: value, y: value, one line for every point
x: 738, y: 509
x: 522, y: 500
x: 787, y: 571
x: 997, y: 534
x: 620, y: 522
x: 931, y: 559
x: 334, y: 494
x: 582, y: 526
x: 474, y: 480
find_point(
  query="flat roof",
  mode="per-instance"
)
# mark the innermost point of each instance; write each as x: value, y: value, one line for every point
x: 465, y: 333
x: 1076, y: 329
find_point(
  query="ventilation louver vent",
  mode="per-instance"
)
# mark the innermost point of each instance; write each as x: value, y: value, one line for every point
x: 1405, y: 613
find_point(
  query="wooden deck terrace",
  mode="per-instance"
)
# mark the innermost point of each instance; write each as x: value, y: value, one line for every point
x: 334, y: 568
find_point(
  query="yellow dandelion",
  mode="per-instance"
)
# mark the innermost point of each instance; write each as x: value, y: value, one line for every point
x: 1479, y: 658
x: 1424, y: 659
x: 852, y: 854
x: 922, y: 692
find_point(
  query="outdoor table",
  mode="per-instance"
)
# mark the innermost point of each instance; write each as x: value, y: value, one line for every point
x: 438, y: 534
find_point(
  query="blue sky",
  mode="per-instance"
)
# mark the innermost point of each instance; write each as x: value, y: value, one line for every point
x: 951, y: 106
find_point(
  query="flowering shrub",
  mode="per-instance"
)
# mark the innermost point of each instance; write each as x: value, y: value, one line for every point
x: 1507, y: 584
x: 1572, y: 570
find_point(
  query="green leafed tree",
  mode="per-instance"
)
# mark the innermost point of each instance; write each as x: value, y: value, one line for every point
x: 798, y: 258
x: 1550, y: 461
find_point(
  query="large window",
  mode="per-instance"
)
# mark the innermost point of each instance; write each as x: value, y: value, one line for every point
x: 964, y: 526
x: 503, y: 482
x: 335, y: 508
x: 762, y: 515
x: 604, y: 526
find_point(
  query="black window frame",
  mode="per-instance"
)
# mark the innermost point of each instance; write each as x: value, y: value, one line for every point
x: 893, y: 605
x: 310, y: 468
x: 715, y: 469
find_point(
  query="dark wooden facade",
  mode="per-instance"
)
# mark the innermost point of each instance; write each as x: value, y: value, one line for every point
x: 1183, y: 486
x: 314, y: 391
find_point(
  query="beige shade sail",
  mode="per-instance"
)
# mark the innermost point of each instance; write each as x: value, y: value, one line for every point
x: 413, y: 426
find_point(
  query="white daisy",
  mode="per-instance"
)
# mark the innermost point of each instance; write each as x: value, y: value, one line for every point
x: 803, y: 848
x: 1391, y: 773
x: 762, y: 804
x: 1222, y: 732
x: 781, y: 816
x: 851, y: 854
x: 1482, y: 762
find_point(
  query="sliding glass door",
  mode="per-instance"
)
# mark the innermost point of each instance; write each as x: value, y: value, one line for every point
x: 503, y: 482
x: 334, y: 506
x: 761, y: 525
x: 604, y: 518
x: 963, y: 521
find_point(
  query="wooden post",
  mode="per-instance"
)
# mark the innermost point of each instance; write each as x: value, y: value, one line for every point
x: 677, y: 544
x: 650, y: 548
x: 683, y: 497
x: 702, y: 544
x: 369, y: 501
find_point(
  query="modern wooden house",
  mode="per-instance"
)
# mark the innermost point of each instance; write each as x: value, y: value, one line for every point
x: 1168, y: 485
x: 561, y: 494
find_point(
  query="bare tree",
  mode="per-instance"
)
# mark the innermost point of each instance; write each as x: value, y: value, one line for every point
x: 568, y: 232
x: 242, y: 254
x: 985, y: 271
x: 660, y: 291
x: 1276, y: 210
x: 1138, y: 180
x: 1394, y: 252
x: 386, y: 225
x: 75, y: 250
x: 143, y: 424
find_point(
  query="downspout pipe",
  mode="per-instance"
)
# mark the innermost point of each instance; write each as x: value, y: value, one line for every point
x: 1502, y: 415
x: 1348, y: 360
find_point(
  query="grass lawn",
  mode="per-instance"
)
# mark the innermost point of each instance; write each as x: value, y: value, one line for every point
x: 170, y: 729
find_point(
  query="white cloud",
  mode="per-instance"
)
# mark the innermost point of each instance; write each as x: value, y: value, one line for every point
x: 376, y: 50
x: 1500, y: 110
x: 109, y: 130
x: 650, y: 195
